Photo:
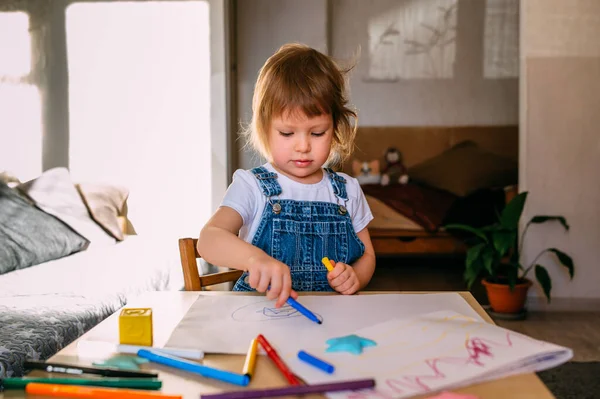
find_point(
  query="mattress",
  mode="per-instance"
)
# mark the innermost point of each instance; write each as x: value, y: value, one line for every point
x: 45, y: 307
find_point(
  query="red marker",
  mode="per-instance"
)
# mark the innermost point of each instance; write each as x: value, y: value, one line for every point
x: 277, y: 360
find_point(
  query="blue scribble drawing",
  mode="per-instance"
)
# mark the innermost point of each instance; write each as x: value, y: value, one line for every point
x: 264, y: 311
x: 284, y: 311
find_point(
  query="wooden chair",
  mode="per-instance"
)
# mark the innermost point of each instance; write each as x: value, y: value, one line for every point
x: 192, y: 280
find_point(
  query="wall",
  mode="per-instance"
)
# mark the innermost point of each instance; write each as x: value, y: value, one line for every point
x: 262, y: 27
x: 465, y: 99
x: 48, y: 21
x: 560, y: 141
x: 341, y: 26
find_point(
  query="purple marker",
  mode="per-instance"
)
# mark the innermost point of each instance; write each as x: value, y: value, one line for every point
x: 293, y: 390
x: 313, y: 361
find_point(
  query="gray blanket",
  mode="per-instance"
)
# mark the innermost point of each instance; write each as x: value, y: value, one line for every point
x: 36, y: 327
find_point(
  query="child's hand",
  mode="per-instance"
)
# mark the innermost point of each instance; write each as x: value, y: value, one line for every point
x: 267, y: 274
x: 343, y: 278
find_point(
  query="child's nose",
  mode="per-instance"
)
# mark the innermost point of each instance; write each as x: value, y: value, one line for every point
x: 303, y: 144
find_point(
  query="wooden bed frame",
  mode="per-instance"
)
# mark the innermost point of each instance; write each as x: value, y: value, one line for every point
x: 418, y: 144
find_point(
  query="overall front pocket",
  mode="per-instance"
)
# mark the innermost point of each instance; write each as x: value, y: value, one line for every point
x: 302, y: 245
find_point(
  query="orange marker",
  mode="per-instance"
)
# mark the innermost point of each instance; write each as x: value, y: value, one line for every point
x: 76, y: 391
x: 327, y: 263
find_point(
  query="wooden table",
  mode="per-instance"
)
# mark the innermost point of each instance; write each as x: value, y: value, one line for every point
x: 170, y: 307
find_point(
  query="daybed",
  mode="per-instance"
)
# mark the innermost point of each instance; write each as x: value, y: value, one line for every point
x: 45, y: 306
x: 456, y: 174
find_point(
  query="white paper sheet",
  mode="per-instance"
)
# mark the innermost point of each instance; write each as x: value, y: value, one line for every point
x: 429, y: 353
x: 227, y: 323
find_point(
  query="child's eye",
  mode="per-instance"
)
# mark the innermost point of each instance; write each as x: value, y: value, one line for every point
x: 318, y: 134
x: 284, y: 134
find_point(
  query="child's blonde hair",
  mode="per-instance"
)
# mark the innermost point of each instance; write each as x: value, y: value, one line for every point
x: 298, y: 77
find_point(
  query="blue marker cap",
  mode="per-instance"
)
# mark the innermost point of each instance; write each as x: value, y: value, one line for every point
x: 313, y: 361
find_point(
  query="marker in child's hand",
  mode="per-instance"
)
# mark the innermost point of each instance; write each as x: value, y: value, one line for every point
x: 327, y: 263
x: 310, y: 315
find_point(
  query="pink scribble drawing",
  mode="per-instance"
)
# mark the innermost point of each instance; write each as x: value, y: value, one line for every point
x: 478, y: 351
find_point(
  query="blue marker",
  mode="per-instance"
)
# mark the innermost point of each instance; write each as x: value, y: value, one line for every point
x: 293, y: 303
x: 313, y: 361
x: 182, y: 364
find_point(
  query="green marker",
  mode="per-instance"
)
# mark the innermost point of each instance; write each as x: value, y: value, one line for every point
x: 139, y: 383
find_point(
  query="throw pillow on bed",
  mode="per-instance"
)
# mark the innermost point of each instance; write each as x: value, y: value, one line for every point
x: 466, y: 168
x: 105, y: 203
x: 29, y: 236
x: 54, y: 192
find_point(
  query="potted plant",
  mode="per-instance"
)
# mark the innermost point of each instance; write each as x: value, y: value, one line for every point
x: 494, y: 254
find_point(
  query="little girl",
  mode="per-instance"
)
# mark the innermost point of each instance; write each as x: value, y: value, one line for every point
x: 277, y: 221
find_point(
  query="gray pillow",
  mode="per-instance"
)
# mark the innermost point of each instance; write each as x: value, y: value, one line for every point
x: 29, y: 236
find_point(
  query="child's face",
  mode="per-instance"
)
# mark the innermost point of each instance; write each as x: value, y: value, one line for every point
x: 300, y: 145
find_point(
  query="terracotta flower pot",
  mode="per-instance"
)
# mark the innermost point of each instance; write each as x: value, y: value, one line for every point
x: 503, y: 300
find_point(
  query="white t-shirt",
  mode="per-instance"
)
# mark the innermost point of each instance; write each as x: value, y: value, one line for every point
x: 245, y: 196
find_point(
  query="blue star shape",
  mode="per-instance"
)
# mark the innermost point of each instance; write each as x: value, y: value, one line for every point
x: 350, y: 343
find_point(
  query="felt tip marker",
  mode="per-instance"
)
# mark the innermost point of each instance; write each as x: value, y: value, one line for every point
x: 327, y: 263
x: 316, y: 362
x: 310, y: 315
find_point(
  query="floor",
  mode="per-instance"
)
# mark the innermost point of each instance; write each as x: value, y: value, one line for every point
x: 579, y: 331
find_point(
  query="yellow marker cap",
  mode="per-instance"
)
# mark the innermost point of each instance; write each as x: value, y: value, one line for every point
x: 327, y: 263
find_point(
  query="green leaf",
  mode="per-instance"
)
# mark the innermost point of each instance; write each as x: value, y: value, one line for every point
x: 543, y: 219
x: 487, y: 258
x: 512, y: 273
x: 544, y: 279
x: 512, y: 212
x: 470, y: 229
x: 503, y: 241
x: 472, y: 273
x: 565, y: 260
x: 473, y: 255
x: 473, y: 264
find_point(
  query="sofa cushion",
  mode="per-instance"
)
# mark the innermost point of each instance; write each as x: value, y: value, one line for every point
x: 55, y: 193
x: 29, y: 236
x: 105, y: 203
x: 465, y: 168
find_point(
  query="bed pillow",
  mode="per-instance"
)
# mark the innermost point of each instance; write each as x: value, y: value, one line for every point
x: 105, y: 203
x: 55, y: 193
x: 465, y: 168
x: 29, y: 236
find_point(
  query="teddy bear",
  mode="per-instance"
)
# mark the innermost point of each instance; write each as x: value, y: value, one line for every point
x: 394, y: 171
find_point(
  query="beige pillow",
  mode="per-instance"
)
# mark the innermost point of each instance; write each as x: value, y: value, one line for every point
x: 105, y: 203
x: 464, y: 169
x: 54, y: 192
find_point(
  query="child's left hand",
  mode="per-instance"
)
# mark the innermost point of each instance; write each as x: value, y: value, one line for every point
x: 343, y: 278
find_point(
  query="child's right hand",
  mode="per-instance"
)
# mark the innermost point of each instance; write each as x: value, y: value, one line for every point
x: 266, y: 273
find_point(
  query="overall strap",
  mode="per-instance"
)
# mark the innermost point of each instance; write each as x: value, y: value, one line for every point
x: 338, y: 183
x: 267, y: 180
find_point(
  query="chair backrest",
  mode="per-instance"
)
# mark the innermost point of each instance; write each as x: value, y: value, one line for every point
x: 188, y: 252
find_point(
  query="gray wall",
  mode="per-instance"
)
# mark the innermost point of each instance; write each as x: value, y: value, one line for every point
x: 560, y: 142
x: 262, y: 27
x: 340, y: 27
x: 466, y: 99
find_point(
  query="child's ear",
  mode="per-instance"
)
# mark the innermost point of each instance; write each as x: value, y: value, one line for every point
x: 374, y: 165
x: 356, y: 164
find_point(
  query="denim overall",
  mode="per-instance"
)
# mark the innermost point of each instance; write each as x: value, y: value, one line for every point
x: 301, y: 233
